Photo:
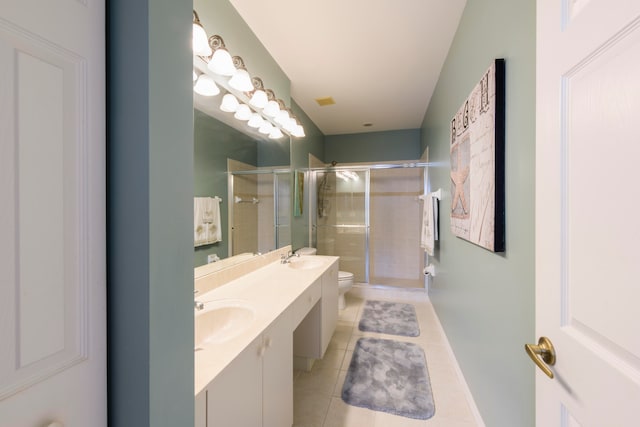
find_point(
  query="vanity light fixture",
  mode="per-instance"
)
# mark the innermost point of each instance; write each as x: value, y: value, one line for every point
x: 229, y: 103
x: 246, y: 97
x: 205, y: 86
x: 199, y: 42
x: 220, y: 62
x: 240, y: 80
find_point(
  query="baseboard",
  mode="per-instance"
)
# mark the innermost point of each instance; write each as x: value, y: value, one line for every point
x: 472, y: 403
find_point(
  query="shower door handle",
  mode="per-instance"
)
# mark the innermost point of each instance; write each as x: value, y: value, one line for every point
x: 542, y: 354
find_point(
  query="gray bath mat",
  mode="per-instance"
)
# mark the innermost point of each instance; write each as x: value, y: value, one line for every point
x: 389, y: 318
x: 389, y: 376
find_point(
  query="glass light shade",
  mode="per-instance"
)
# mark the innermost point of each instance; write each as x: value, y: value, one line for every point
x: 221, y: 63
x: 259, y: 99
x: 282, y: 117
x: 266, y: 128
x: 205, y: 86
x: 255, y: 121
x: 229, y: 103
x: 290, y: 125
x: 271, y: 109
x: 243, y: 112
x: 195, y: 76
x: 241, y: 81
x: 200, y: 42
x: 298, y: 131
x: 275, y: 133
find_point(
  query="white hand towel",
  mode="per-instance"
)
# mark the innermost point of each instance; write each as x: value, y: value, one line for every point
x: 428, y: 225
x: 214, y: 231
x: 199, y: 230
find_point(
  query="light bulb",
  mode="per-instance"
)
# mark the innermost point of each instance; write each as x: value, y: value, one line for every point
x: 229, y: 103
x: 266, y: 128
x: 243, y: 112
x: 271, y: 109
x: 241, y: 81
x: 282, y: 117
x: 275, y: 133
x: 259, y: 99
x: 221, y: 63
x: 255, y: 121
x: 200, y: 42
x: 298, y: 131
x: 205, y: 86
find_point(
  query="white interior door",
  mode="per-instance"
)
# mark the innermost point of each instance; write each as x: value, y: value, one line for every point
x: 587, y: 207
x: 52, y: 213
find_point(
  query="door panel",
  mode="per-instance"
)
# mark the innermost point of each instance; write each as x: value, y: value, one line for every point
x: 52, y: 216
x: 588, y: 95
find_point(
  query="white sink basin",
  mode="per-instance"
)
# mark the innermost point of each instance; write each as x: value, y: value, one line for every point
x: 222, y: 320
x: 305, y: 263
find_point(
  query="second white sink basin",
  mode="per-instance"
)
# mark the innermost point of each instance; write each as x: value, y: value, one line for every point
x: 221, y: 320
x: 306, y: 263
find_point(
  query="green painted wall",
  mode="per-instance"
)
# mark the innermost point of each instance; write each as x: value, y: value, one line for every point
x: 485, y: 301
x: 214, y: 142
x: 373, y: 146
x: 150, y: 214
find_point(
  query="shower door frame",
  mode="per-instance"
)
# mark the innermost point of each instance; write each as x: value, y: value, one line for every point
x: 313, y: 214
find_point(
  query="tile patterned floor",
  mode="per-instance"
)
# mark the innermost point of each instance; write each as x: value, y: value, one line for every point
x: 317, y: 401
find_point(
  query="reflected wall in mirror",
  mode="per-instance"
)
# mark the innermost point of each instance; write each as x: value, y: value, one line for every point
x: 214, y: 144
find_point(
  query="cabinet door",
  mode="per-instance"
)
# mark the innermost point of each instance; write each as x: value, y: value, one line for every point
x: 235, y: 395
x: 201, y: 409
x: 277, y: 369
x: 329, y: 313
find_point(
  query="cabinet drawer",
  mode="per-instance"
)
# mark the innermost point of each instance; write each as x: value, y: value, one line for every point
x: 305, y: 302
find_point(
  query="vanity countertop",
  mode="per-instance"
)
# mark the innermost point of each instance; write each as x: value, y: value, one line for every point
x: 269, y: 291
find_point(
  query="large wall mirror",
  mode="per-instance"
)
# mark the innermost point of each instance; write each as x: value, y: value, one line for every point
x: 250, y: 174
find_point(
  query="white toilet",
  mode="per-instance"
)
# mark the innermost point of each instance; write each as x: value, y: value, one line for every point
x: 345, y: 278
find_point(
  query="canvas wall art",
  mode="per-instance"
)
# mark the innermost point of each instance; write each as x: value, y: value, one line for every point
x: 477, y: 163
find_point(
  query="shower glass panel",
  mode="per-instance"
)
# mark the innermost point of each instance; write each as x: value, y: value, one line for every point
x: 342, y: 219
x: 259, y: 213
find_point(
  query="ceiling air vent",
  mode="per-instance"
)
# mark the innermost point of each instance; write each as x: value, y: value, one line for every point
x: 325, y: 101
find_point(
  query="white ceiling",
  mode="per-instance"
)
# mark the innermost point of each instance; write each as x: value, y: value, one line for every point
x: 378, y: 59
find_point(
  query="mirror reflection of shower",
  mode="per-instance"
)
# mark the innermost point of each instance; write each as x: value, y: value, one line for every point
x: 259, y: 217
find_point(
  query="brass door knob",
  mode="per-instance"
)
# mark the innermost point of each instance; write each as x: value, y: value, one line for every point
x: 542, y: 354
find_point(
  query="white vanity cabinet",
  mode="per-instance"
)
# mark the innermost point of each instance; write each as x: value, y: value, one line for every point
x: 256, y: 388
x: 329, y: 306
x: 312, y: 336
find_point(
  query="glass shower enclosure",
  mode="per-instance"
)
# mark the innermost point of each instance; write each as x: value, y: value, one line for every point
x: 370, y: 216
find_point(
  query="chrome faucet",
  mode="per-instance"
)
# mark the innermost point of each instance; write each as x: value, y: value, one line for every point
x: 287, y: 258
x: 196, y: 304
